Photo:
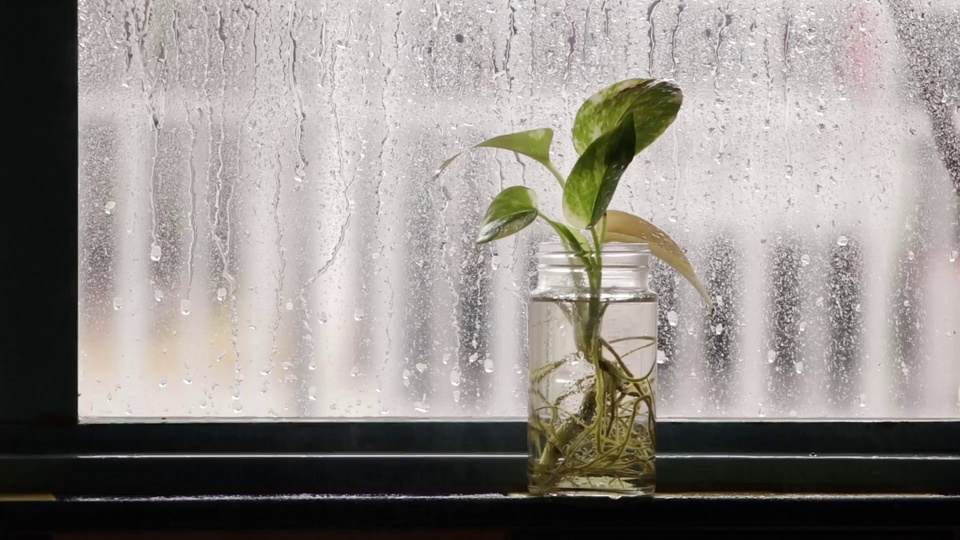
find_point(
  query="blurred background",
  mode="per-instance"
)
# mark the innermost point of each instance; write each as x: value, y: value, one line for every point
x: 260, y: 234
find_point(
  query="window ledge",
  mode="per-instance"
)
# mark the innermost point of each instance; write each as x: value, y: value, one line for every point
x: 492, y: 512
x: 153, y: 474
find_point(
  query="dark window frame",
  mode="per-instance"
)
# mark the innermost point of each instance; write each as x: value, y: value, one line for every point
x: 44, y: 447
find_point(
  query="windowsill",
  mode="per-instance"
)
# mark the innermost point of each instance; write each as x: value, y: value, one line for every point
x: 688, y: 511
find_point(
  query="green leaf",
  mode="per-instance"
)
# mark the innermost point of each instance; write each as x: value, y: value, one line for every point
x: 653, y: 102
x: 595, y: 176
x: 624, y: 227
x: 534, y: 144
x: 511, y: 211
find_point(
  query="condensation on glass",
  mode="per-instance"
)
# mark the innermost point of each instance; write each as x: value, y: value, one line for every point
x: 260, y: 234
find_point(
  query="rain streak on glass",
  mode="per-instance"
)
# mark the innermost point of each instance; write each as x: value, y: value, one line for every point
x: 260, y: 235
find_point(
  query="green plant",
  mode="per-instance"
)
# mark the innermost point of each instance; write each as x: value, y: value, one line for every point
x: 611, y: 127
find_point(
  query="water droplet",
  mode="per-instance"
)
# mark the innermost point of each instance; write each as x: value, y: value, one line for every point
x: 760, y: 412
x: 108, y: 208
x: 488, y: 365
x: 672, y: 318
x: 819, y: 301
x: 421, y: 367
x: 857, y: 308
x: 289, y: 306
x: 473, y: 358
x: 252, y: 327
x: 719, y: 329
x: 719, y: 301
x: 185, y: 306
x: 804, y: 259
x: 358, y: 314
x: 662, y: 357
x: 117, y: 304
x: 406, y: 377
x: 798, y: 367
x: 771, y: 356
x: 910, y: 255
x: 354, y: 371
x: 155, y: 252
x: 672, y: 216
x: 323, y: 318
x: 455, y: 376
x: 906, y: 303
x: 221, y: 294
x: 495, y: 262
x: 187, y: 381
x: 456, y: 396
x: 163, y: 382
x: 158, y: 295
x: 953, y: 255
x: 312, y: 393
x: 842, y: 240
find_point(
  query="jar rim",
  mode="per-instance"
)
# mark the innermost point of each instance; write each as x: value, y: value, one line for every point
x: 558, y: 248
x: 616, y: 255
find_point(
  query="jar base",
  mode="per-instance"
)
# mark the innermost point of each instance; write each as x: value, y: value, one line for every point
x: 578, y: 492
x: 596, y: 487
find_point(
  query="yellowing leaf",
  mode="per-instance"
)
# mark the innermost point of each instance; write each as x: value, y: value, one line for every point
x: 625, y: 227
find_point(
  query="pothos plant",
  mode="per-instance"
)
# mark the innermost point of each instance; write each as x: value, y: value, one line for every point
x: 610, y: 129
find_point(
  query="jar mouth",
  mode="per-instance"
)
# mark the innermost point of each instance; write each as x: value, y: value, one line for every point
x: 610, y: 247
x: 613, y: 254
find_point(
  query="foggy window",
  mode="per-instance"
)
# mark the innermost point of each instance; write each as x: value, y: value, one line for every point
x: 260, y: 234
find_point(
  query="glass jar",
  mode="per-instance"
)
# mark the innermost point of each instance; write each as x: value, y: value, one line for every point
x: 592, y: 336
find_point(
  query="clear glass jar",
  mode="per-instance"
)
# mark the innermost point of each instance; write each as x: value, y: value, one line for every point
x: 592, y: 339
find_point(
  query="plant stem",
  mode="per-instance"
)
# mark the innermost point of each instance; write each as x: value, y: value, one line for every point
x: 556, y: 173
x: 569, y: 430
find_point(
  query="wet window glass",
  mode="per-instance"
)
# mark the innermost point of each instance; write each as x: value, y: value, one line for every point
x: 260, y: 234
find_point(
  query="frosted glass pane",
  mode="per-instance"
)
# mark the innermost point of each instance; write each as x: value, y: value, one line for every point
x: 260, y: 235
